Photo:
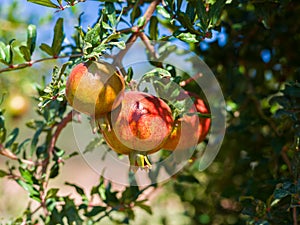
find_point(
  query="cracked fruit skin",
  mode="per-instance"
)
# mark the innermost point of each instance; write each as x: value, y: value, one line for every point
x: 140, y: 124
x: 189, y: 130
x: 94, y: 88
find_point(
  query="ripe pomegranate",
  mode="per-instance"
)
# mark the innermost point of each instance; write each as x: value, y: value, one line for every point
x: 94, y: 88
x: 139, y: 126
x: 190, y: 129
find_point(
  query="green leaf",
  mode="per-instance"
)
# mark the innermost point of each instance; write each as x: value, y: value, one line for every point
x: 70, y: 211
x: 187, y: 37
x: 111, y: 13
x: 35, y: 140
x: 59, y: 152
x: 215, y: 12
x: 144, y: 207
x: 12, y: 137
x: 187, y: 23
x: 95, y: 211
x: 141, y: 21
x: 106, y: 26
x: 281, y: 100
x: 54, y: 171
x: 281, y: 193
x: 26, y: 175
x: 112, y: 37
x: 10, y: 50
x: 190, y: 11
x: 3, y: 53
x: 129, y: 74
x: 121, y: 44
x: 153, y: 29
x: 130, y: 194
x: 93, y: 35
x: 78, y: 189
x: 162, y: 11
x: 292, y: 90
x: 58, y: 37
x: 3, y: 173
x: 157, y: 72
x: 46, y: 48
x: 25, y: 52
x: 51, y: 193
x: 188, y: 179
x: 46, y: 3
x: 2, y: 100
x: 71, y: 155
x: 202, y: 14
x: 28, y: 187
x: 94, y: 143
x: 31, y: 38
x: 2, y: 129
x: 136, y: 12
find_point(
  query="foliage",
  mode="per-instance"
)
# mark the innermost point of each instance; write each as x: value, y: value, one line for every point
x: 252, y: 48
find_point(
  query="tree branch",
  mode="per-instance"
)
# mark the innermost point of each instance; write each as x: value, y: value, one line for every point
x: 54, y: 138
x: 29, y: 64
x: 7, y: 153
x: 136, y: 32
x: 295, y: 217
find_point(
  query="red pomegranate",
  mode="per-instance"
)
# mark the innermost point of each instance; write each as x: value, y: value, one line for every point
x: 190, y: 129
x: 138, y: 127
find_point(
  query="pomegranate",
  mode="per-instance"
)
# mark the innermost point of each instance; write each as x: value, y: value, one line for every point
x: 190, y: 129
x: 94, y: 88
x: 138, y: 127
x: 17, y: 105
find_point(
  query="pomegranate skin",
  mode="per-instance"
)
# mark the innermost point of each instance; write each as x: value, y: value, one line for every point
x: 94, y: 88
x: 189, y: 130
x: 142, y: 123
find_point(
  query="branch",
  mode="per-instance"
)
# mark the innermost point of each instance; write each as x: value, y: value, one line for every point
x: 7, y: 153
x: 62, y: 7
x: 60, y: 127
x: 295, y: 217
x: 136, y: 32
x: 191, y: 79
x: 286, y: 158
x: 148, y: 44
x: 29, y: 64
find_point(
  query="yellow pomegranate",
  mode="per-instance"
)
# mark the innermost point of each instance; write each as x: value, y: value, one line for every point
x: 94, y: 88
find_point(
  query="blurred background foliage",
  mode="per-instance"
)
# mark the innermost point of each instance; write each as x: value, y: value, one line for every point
x: 253, y: 49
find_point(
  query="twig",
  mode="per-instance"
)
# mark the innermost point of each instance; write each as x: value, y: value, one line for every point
x: 62, y: 7
x: 30, y: 63
x: 106, y: 213
x: 136, y: 30
x: 191, y: 79
x: 59, y: 127
x: 150, y: 48
x: 7, y: 153
x: 295, y: 218
x: 54, y: 138
x: 286, y: 158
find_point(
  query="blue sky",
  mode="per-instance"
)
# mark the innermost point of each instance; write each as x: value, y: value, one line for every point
x: 34, y: 13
